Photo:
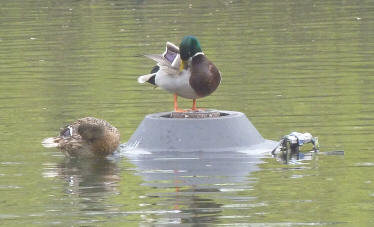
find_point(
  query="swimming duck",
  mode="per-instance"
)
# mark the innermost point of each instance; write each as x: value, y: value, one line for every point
x: 184, y: 71
x: 87, y: 136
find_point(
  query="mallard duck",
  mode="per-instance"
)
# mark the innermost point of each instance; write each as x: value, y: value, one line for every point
x: 87, y: 136
x: 184, y: 71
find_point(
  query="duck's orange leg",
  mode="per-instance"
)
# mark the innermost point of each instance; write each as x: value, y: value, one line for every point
x: 194, y: 108
x: 193, y: 104
x: 176, y: 109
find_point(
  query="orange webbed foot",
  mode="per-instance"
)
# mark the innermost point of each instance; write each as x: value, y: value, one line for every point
x: 178, y: 110
x: 196, y: 110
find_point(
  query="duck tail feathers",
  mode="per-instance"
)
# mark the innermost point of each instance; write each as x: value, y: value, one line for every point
x: 50, y: 142
x: 145, y: 78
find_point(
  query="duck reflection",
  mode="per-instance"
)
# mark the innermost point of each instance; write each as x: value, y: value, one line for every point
x: 87, y: 181
x: 198, y: 184
x: 197, y: 209
x: 90, y: 175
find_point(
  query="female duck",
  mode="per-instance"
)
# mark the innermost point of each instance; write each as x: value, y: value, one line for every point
x: 88, y: 136
x: 184, y: 71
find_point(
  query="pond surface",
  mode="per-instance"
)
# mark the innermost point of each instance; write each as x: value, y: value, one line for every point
x: 288, y: 65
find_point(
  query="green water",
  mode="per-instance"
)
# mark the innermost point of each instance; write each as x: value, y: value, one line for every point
x: 288, y: 65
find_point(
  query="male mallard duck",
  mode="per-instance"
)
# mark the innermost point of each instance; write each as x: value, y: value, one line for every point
x: 88, y: 136
x: 184, y: 71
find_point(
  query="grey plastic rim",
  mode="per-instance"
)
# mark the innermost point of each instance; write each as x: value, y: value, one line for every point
x: 232, y: 131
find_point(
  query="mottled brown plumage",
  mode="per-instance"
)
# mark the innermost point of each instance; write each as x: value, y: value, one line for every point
x: 88, y: 136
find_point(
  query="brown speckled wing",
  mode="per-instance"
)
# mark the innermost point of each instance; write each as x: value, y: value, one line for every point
x: 89, y: 134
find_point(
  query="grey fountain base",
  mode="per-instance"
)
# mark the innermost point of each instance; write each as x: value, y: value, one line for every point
x: 226, y: 131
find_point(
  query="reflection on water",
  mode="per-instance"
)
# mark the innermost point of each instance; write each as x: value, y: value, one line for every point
x: 86, y: 185
x: 87, y: 177
x: 200, y: 184
x: 190, y: 187
x: 195, y: 168
x: 288, y: 65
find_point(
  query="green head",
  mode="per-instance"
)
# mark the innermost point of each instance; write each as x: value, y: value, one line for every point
x: 189, y: 47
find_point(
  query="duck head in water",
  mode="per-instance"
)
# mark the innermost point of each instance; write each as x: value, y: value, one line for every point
x: 87, y: 136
